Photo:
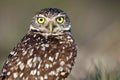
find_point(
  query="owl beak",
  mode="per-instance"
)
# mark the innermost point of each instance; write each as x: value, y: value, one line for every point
x: 50, y: 26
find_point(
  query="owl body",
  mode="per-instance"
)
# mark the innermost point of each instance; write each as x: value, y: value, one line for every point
x: 44, y: 58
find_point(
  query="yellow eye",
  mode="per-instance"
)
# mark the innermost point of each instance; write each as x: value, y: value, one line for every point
x: 60, y: 19
x: 40, y: 20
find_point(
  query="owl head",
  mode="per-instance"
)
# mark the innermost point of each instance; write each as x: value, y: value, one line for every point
x: 50, y: 20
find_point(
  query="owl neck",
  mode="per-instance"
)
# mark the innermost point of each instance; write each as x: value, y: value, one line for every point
x: 49, y: 34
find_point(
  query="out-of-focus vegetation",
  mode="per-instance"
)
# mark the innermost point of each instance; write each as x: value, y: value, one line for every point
x: 95, y: 26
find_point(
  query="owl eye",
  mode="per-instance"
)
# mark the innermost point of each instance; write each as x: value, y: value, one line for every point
x: 40, y: 20
x: 60, y: 19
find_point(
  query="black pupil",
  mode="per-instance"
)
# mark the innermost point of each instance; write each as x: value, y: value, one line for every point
x: 41, y: 19
x: 59, y: 19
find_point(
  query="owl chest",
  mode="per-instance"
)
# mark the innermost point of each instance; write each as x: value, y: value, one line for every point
x: 51, y: 44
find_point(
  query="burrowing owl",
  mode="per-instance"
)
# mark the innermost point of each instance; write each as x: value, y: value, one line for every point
x: 46, y: 52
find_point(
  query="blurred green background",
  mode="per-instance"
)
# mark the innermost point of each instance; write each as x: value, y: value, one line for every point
x: 95, y: 26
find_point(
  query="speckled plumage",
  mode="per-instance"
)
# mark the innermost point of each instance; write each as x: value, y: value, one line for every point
x: 39, y: 56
